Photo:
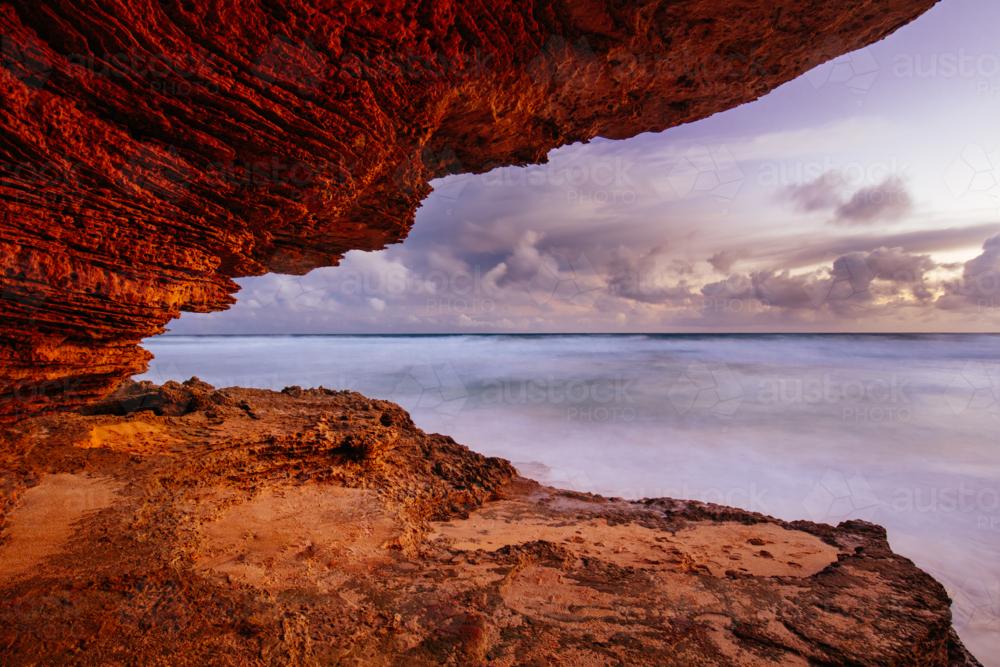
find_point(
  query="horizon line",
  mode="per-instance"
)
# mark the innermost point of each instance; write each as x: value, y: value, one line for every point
x: 600, y: 333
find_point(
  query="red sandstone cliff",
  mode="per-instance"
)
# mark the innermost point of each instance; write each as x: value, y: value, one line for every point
x: 152, y: 150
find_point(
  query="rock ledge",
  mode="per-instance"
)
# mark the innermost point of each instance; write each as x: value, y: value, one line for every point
x: 193, y: 526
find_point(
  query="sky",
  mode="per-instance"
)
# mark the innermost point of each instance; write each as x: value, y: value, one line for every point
x: 863, y: 196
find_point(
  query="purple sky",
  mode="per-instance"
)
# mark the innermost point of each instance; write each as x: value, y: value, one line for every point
x: 863, y: 196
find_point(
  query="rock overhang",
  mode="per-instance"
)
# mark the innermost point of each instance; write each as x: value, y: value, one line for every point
x: 154, y: 151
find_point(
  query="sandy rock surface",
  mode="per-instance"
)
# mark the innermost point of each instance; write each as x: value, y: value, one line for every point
x: 312, y: 527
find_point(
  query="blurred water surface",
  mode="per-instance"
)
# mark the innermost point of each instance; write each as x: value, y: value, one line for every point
x: 903, y: 431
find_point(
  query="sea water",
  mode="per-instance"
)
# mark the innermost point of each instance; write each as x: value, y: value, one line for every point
x: 900, y: 430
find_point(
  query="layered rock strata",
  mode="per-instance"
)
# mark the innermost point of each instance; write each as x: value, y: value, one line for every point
x: 152, y: 150
x: 311, y: 527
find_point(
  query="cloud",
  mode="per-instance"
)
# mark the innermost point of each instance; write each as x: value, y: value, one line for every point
x: 523, y: 263
x: 543, y: 289
x: 889, y: 200
x: 823, y: 194
x: 776, y: 289
x: 979, y: 286
x: 885, y: 201
x: 905, y: 270
x: 653, y: 277
x: 723, y: 261
x: 943, y: 239
x: 841, y: 287
x: 810, y: 140
x: 988, y: 261
x: 657, y: 262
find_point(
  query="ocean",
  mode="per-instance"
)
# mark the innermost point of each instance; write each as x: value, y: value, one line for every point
x: 900, y: 430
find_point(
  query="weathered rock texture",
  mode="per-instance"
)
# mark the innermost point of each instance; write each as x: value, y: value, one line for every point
x: 249, y: 527
x: 152, y: 150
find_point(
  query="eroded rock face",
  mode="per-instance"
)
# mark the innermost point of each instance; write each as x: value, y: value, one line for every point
x: 312, y: 527
x: 153, y: 150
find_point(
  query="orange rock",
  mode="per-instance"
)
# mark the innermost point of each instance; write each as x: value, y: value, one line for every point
x: 267, y: 541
